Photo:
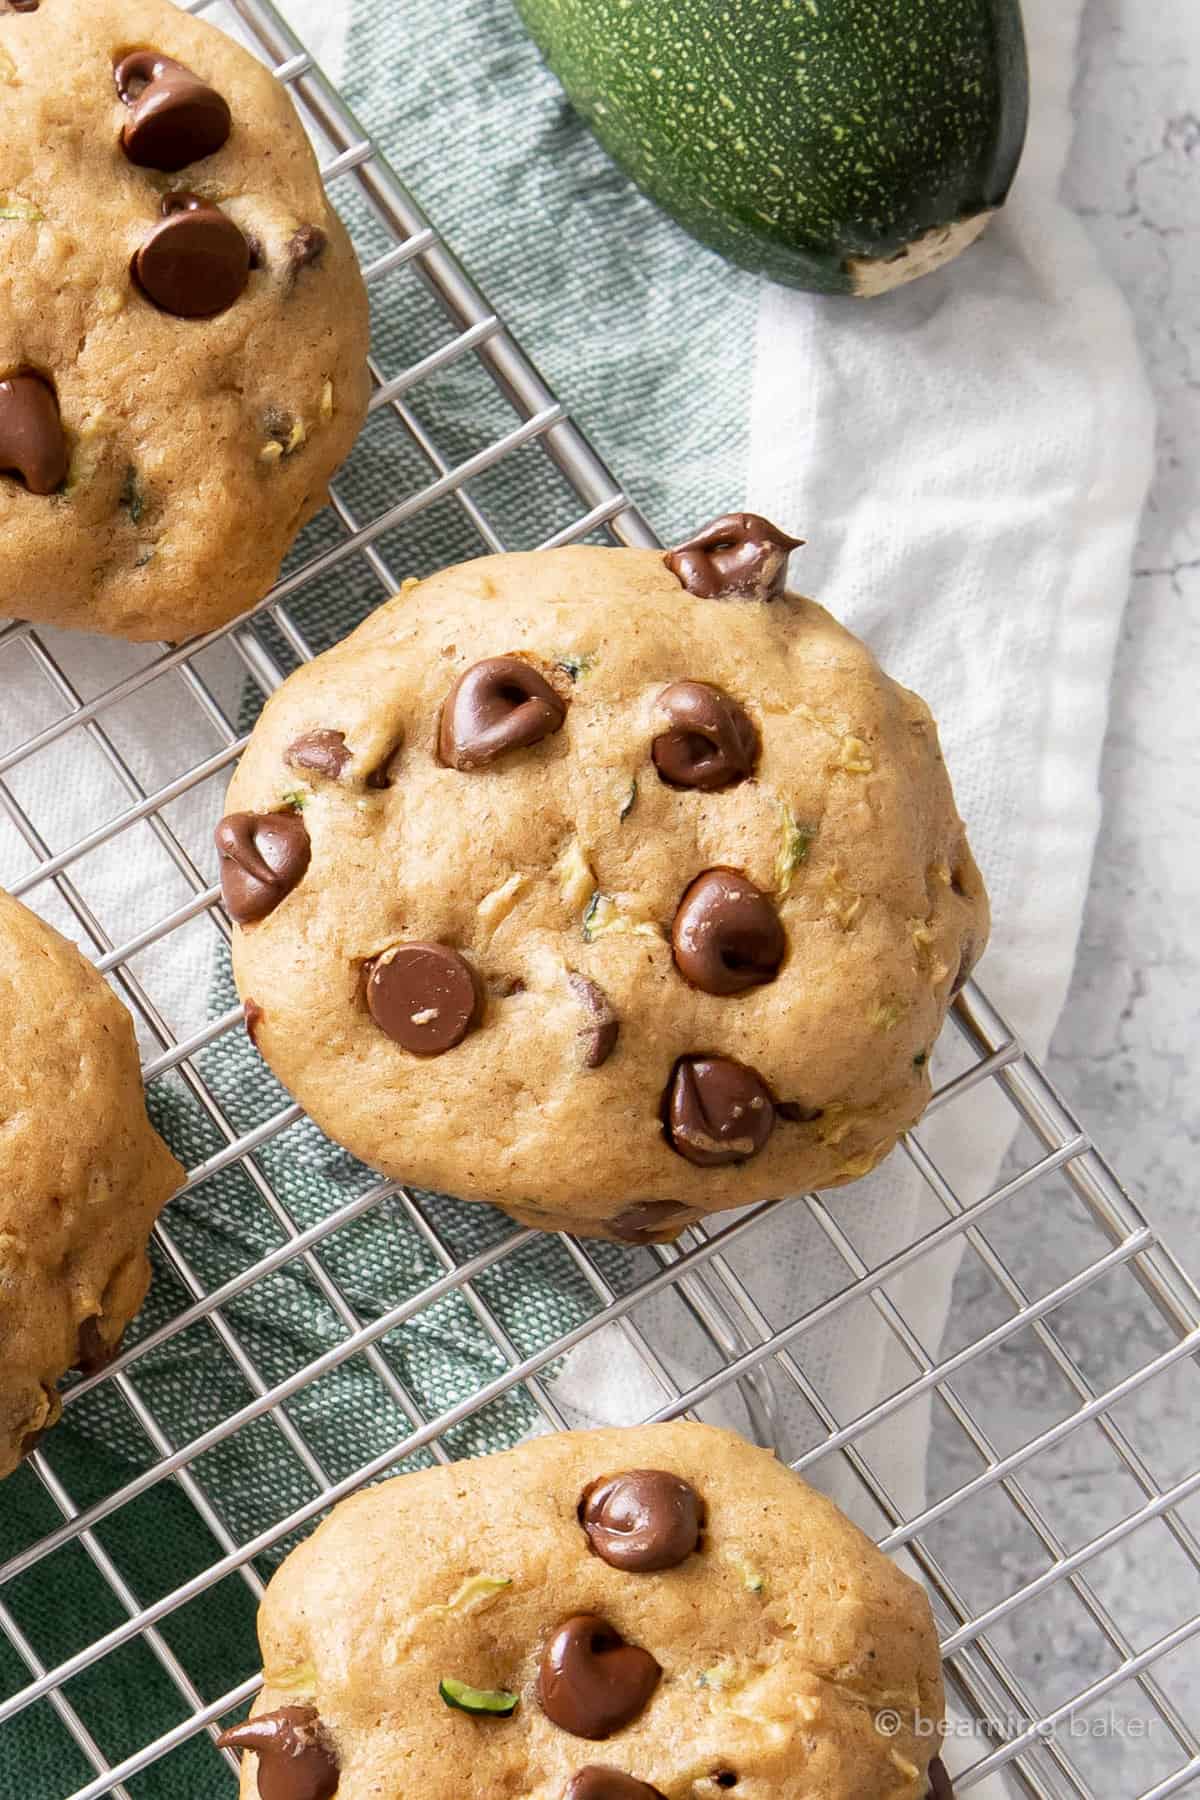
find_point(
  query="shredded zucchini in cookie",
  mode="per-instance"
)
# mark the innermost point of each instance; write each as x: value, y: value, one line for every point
x: 752, y: 1579
x: 300, y: 1679
x: 19, y: 211
x: 576, y: 881
x: 495, y: 907
x: 795, y: 840
x: 604, y: 918
x: 476, y: 1592
x: 854, y: 757
x: 885, y: 1015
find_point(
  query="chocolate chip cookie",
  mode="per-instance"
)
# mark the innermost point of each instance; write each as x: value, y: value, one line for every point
x: 611, y: 887
x: 183, y: 324
x: 76, y: 1204
x: 604, y: 1615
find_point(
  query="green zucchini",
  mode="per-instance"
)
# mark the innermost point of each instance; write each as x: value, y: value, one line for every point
x: 492, y: 1703
x: 840, y: 145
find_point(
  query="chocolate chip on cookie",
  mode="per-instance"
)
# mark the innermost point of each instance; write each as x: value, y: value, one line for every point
x: 175, y: 118
x: 23, y: 6
x: 599, y: 1782
x: 727, y: 936
x: 739, y: 554
x: 32, y: 445
x: 305, y: 248
x: 93, y: 1351
x: 711, y: 741
x: 598, y: 1037
x: 263, y: 856
x: 500, y: 704
x: 424, y: 996
x: 642, y: 1520
x: 717, y: 1111
x: 940, y: 1785
x: 591, y: 1682
x: 651, y: 1221
x: 295, y: 1759
x: 195, y: 263
x: 319, y: 753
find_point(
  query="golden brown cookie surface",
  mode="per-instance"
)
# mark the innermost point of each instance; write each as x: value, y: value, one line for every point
x: 182, y: 342
x: 779, y: 1633
x: 563, y: 887
x: 77, y: 1204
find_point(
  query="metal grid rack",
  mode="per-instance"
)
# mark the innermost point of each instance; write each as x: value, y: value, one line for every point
x: 152, y: 1634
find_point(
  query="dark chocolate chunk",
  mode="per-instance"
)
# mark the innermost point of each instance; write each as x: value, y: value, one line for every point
x: 263, y: 857
x: 717, y: 1111
x: 940, y: 1785
x: 651, y: 1221
x: 32, y: 445
x: 711, y: 742
x: 739, y: 554
x: 305, y: 247
x: 424, y: 996
x: 797, y: 1113
x: 254, y: 1016
x: 319, y: 753
x: 642, y: 1520
x: 195, y: 263
x: 599, y: 1782
x: 295, y: 1758
x: 598, y: 1037
x: 24, y: 6
x: 175, y: 118
x: 591, y: 1682
x: 93, y: 1352
x: 727, y: 936
x: 500, y: 704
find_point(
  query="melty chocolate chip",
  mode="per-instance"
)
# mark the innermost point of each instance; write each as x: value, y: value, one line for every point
x: 24, y: 6
x: 263, y: 857
x: 739, y: 555
x: 195, y: 262
x: 598, y: 1038
x: 711, y: 741
x: 305, y: 248
x: 175, y: 118
x: 500, y: 704
x: 642, y: 1520
x: 599, y: 1782
x: 295, y: 1760
x: 93, y: 1352
x: 717, y: 1111
x: 940, y: 1785
x: 319, y: 753
x: 424, y: 996
x: 651, y: 1221
x: 32, y: 445
x: 591, y: 1682
x: 727, y: 936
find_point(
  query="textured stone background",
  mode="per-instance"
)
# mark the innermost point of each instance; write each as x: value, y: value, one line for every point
x: 1126, y: 1056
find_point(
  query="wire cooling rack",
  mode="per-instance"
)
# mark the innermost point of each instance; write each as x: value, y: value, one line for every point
x: 121, y: 1643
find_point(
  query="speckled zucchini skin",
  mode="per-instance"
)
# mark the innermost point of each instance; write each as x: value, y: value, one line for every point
x: 801, y: 138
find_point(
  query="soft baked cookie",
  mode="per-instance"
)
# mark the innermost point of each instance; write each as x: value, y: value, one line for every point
x: 183, y: 324
x: 611, y: 887
x: 601, y: 1615
x: 82, y: 1174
